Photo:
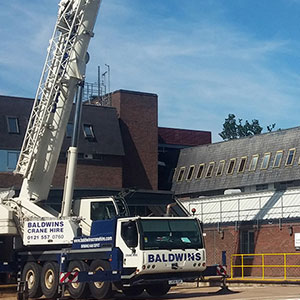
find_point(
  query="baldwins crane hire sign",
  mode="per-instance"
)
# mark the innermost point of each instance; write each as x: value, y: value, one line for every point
x: 49, y: 231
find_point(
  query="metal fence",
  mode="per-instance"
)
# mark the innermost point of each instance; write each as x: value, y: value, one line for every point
x: 265, y: 267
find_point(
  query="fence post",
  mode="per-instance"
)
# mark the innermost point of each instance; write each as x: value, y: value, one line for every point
x: 231, y: 267
x: 284, y: 259
x: 242, y: 266
x: 263, y: 266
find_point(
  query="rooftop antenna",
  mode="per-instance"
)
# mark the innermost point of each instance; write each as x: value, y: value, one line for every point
x: 108, y: 79
x: 99, y: 82
x: 104, y: 82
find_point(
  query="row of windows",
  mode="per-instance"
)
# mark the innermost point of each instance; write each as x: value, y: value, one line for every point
x: 211, y: 169
x: 13, y: 127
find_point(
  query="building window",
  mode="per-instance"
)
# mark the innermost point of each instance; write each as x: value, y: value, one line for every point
x: 190, y: 173
x: 13, y: 125
x: 290, y: 157
x: 231, y: 166
x: 210, y: 169
x: 200, y: 171
x: 220, y: 168
x: 69, y: 132
x: 181, y: 174
x: 277, y: 160
x: 88, y: 131
x: 247, y: 242
x: 12, y: 159
x: 174, y: 174
x: 265, y: 161
x: 253, y: 162
x: 242, y: 165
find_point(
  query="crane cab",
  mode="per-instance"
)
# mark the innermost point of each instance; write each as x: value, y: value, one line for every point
x: 98, y: 208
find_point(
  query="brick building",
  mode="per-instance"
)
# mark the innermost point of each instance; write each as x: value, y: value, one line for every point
x: 118, y: 145
x: 170, y: 142
x: 247, y: 193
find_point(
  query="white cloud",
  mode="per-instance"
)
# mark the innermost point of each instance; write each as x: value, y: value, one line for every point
x: 201, y: 68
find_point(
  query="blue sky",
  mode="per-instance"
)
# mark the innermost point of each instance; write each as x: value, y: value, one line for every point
x: 204, y: 58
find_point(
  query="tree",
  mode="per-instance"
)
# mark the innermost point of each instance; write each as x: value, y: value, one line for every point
x: 233, y: 130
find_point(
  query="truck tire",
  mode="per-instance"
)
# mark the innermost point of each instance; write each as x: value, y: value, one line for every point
x: 49, y: 279
x: 101, y: 289
x: 77, y: 289
x: 31, y: 273
x: 133, y: 291
x: 158, y: 290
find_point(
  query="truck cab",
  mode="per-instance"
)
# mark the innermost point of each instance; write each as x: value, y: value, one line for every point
x: 160, y: 246
x: 154, y: 249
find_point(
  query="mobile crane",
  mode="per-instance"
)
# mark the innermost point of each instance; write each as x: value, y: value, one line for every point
x: 93, y: 244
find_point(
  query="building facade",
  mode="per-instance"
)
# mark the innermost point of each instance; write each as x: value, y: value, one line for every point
x: 118, y: 144
x: 247, y: 194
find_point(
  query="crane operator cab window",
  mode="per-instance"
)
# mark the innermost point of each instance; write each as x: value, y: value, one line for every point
x: 102, y: 210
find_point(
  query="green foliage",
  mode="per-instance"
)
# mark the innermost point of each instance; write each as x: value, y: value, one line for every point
x: 233, y: 129
x: 271, y: 127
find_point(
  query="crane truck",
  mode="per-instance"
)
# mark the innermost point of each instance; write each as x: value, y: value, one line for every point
x: 93, y: 245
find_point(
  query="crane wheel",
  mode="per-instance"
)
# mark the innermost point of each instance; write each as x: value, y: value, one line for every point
x: 49, y: 279
x: 157, y: 290
x: 78, y: 289
x: 31, y: 273
x: 101, y: 289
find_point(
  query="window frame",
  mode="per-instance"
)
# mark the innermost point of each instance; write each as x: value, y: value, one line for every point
x: 70, y: 127
x: 252, y: 158
x: 218, y: 174
x: 268, y: 162
x: 16, y: 123
x: 87, y: 136
x: 12, y: 156
x: 244, y: 168
x: 288, y: 156
x: 234, y: 163
x: 189, y: 178
x: 174, y: 175
x: 202, y: 171
x: 180, y: 174
x: 279, y: 164
x: 211, y: 166
x: 247, y: 244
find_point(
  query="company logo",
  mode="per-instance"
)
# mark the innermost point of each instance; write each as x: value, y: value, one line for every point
x: 171, y: 257
x: 44, y: 224
x: 45, y: 227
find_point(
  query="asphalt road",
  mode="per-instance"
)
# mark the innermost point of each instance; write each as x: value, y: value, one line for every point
x: 268, y: 292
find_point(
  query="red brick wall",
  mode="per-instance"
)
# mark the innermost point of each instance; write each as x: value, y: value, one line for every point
x: 7, y: 180
x: 93, y: 174
x: 268, y: 239
x: 106, y: 173
x: 138, y: 123
x: 185, y: 137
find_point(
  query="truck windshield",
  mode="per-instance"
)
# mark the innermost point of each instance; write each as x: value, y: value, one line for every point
x: 170, y: 234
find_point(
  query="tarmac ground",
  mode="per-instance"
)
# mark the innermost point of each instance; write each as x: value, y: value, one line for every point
x: 192, y: 292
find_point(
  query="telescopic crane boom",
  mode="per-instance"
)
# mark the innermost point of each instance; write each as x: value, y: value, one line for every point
x: 63, y: 71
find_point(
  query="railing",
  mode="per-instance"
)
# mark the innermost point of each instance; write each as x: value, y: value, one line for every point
x: 245, y: 207
x: 265, y: 267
